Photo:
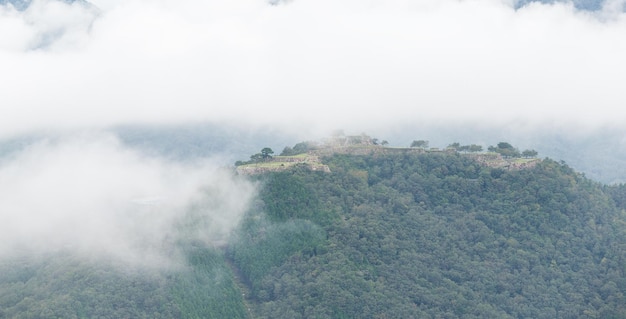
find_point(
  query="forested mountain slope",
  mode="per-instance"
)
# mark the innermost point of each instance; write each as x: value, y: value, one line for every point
x: 63, y: 285
x: 433, y: 236
x: 397, y: 235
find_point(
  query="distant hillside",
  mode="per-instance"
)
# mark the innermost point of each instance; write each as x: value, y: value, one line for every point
x: 599, y: 153
x: 23, y: 4
x: 307, y: 154
x: 383, y: 233
x: 18, y: 4
x: 590, y: 5
x: 433, y: 235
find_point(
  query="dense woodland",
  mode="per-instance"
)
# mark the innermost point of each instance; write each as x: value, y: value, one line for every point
x: 62, y: 285
x: 438, y: 236
x: 431, y: 235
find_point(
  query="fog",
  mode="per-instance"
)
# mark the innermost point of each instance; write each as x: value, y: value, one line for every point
x: 91, y: 196
x: 303, y: 67
x: 310, y: 65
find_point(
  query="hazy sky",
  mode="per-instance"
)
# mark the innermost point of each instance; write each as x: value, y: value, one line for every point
x: 310, y: 64
x: 306, y: 65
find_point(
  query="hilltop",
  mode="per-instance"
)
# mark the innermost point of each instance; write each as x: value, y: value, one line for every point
x: 282, y: 163
x: 374, y: 232
x: 415, y: 233
x: 309, y: 154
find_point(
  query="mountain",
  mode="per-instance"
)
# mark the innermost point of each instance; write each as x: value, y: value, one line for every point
x: 588, y: 5
x: 185, y: 142
x: 64, y: 285
x: 383, y: 232
x: 18, y: 4
x: 597, y: 152
x: 24, y: 4
x: 433, y: 235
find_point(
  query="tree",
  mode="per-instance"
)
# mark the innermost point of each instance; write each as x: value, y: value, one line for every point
x: 384, y: 143
x: 529, y: 153
x: 420, y: 143
x: 505, y: 145
x: 505, y: 149
x: 266, y: 153
x: 455, y: 145
x: 475, y: 148
x: 299, y: 148
x: 256, y: 157
x: 287, y: 151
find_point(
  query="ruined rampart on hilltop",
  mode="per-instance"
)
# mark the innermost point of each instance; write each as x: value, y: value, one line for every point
x: 363, y: 145
x: 281, y: 163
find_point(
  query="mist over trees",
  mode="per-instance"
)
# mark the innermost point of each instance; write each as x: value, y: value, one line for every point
x: 110, y: 232
x: 404, y: 234
x: 121, y: 121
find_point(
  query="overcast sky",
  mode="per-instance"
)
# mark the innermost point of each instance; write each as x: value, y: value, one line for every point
x: 305, y: 65
x: 309, y: 64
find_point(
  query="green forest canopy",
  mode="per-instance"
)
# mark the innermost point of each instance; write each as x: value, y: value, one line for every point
x: 437, y: 235
x: 402, y: 235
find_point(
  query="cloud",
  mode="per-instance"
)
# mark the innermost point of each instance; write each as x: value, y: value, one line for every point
x: 91, y: 196
x: 310, y: 64
x: 45, y: 25
x: 302, y: 65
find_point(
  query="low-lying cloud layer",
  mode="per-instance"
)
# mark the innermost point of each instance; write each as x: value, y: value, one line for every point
x: 309, y: 64
x: 302, y: 65
x: 91, y: 196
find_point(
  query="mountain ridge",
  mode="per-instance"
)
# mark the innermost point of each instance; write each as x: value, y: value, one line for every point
x: 309, y: 154
x: 399, y: 233
x: 436, y: 235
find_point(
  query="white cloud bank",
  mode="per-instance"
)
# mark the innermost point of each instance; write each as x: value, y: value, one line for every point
x: 329, y: 64
x: 91, y: 196
x: 309, y: 64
